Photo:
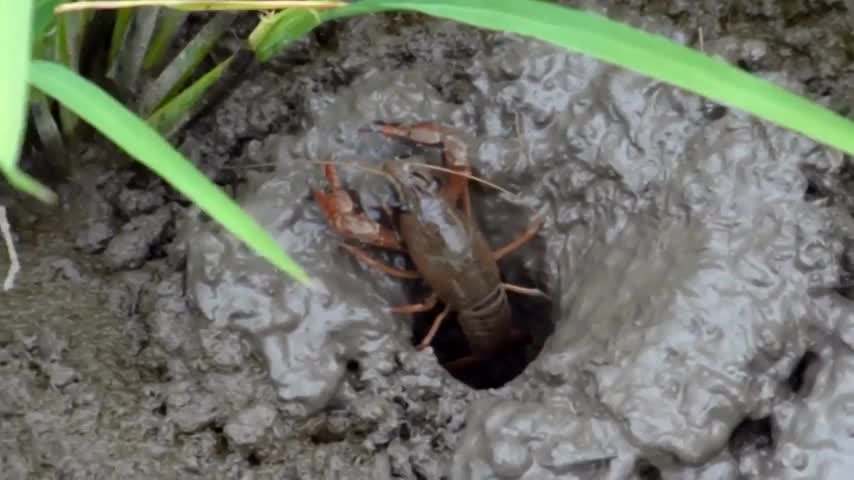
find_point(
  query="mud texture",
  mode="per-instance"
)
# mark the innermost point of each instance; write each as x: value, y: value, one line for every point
x: 698, y: 261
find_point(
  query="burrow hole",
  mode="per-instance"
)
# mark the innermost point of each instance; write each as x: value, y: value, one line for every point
x: 751, y: 436
x: 531, y: 315
x: 757, y: 435
x: 802, y: 377
x: 645, y: 470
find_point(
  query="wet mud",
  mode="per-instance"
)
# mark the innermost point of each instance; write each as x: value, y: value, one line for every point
x: 698, y: 263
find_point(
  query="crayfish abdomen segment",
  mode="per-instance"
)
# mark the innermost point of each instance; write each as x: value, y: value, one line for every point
x: 487, y: 325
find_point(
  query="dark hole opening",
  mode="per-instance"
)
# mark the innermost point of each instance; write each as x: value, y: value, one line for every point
x: 647, y: 471
x: 221, y: 447
x: 744, y: 65
x: 751, y: 435
x: 253, y: 459
x: 713, y: 111
x: 497, y: 368
x: 801, y: 379
x: 353, y: 366
x: 846, y: 276
x: 812, y: 192
x: 404, y: 432
x: 817, y: 187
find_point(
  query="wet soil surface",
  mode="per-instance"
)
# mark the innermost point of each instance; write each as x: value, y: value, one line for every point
x: 698, y: 264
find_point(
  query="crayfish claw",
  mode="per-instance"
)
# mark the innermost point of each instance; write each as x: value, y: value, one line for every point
x: 388, y: 129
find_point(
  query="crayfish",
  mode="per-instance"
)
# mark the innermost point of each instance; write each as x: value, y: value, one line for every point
x: 441, y: 237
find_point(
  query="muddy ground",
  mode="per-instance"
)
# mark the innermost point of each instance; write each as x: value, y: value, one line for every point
x: 698, y: 261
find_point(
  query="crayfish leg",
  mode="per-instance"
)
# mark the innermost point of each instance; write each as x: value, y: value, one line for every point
x: 374, y: 263
x: 533, y: 292
x: 424, y: 306
x: 527, y: 235
x: 428, y: 339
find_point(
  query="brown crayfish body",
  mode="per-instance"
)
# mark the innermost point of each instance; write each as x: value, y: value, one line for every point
x: 448, y: 249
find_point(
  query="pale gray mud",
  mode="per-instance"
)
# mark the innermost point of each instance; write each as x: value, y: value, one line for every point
x: 699, y: 263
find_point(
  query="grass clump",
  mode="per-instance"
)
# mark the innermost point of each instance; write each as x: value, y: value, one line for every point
x: 51, y: 60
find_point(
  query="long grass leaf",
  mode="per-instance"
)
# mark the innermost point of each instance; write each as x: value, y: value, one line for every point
x: 185, y: 63
x: 650, y: 55
x: 75, y: 32
x: 140, y: 141
x: 196, y: 5
x: 177, y: 112
x: 169, y: 26
x: 121, y: 30
x: 70, y: 33
x: 43, y: 17
x: 15, y: 34
x: 128, y: 64
x: 48, y: 130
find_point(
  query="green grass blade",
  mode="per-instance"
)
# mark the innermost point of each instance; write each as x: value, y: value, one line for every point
x: 648, y: 54
x: 276, y: 31
x: 185, y: 63
x: 128, y: 63
x: 74, y: 29
x: 60, y: 45
x: 171, y: 22
x: 70, y: 32
x: 121, y: 29
x: 140, y: 141
x: 43, y: 17
x: 203, y: 6
x: 15, y: 35
x: 173, y: 115
x: 48, y: 130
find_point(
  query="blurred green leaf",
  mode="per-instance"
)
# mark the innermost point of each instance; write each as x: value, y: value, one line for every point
x: 49, y: 133
x: 70, y: 31
x: 204, y: 6
x: 43, y: 16
x: 15, y: 25
x: 278, y: 30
